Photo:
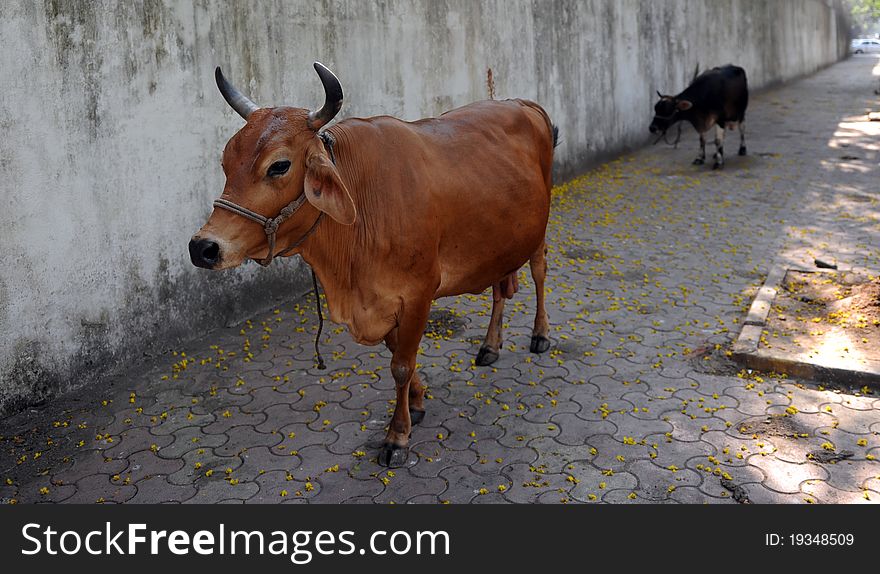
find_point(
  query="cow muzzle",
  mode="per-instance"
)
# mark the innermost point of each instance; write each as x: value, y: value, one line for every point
x: 660, y: 125
x: 204, y: 252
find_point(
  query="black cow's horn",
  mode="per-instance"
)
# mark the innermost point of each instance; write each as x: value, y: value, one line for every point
x: 332, y: 99
x: 238, y: 101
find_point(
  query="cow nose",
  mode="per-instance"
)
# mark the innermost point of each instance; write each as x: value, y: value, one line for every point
x: 204, y: 253
x: 653, y: 129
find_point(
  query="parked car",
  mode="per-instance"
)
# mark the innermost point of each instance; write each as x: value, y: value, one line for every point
x: 865, y: 46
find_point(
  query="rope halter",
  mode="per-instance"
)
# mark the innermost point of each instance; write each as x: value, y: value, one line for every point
x: 271, y: 225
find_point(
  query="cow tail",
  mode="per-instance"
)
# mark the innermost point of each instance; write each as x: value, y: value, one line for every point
x: 555, y: 135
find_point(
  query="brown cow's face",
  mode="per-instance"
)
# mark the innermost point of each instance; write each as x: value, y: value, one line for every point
x: 274, y: 160
x: 270, y: 162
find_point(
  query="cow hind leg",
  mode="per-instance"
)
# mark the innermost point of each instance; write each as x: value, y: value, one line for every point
x: 719, y: 148
x: 491, y: 348
x: 538, y: 266
x: 701, y: 159
x: 411, y: 324
x: 742, y: 138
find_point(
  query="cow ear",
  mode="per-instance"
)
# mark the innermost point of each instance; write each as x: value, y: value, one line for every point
x: 325, y: 189
x: 683, y: 105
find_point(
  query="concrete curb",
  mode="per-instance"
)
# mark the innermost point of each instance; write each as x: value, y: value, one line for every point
x: 747, y: 353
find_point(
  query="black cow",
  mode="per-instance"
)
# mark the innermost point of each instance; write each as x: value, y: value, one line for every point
x: 717, y: 97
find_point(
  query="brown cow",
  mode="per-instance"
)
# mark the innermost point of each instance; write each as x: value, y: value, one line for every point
x: 414, y: 211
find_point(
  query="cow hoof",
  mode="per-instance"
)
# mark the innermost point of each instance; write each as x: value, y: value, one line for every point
x: 540, y: 343
x: 392, y: 455
x: 416, y: 416
x: 699, y: 161
x: 486, y: 357
x: 718, y: 166
x: 742, y: 150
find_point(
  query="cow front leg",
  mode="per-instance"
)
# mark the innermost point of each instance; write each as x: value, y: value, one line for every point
x: 719, y: 148
x: 416, y: 389
x: 504, y: 289
x: 411, y: 324
x: 491, y: 348
x: 742, y: 138
x: 416, y: 400
x: 538, y: 266
x: 701, y: 158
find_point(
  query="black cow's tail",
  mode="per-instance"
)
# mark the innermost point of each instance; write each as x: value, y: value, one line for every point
x: 555, y: 129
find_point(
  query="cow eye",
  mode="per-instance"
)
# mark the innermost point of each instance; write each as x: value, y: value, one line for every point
x: 278, y: 168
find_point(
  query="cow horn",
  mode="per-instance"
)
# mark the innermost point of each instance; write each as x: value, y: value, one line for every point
x: 238, y: 101
x: 332, y: 101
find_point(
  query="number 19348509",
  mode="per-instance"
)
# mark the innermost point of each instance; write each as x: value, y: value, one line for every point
x: 808, y: 539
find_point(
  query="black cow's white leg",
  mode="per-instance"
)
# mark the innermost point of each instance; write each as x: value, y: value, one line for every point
x: 719, y: 148
x: 701, y: 159
x: 742, y: 138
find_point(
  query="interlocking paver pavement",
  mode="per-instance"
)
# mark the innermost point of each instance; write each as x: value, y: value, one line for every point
x: 653, y: 263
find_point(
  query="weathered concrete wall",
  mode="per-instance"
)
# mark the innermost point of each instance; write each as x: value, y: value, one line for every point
x: 112, y: 131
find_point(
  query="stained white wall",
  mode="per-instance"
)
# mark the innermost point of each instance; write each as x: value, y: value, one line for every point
x: 112, y: 131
